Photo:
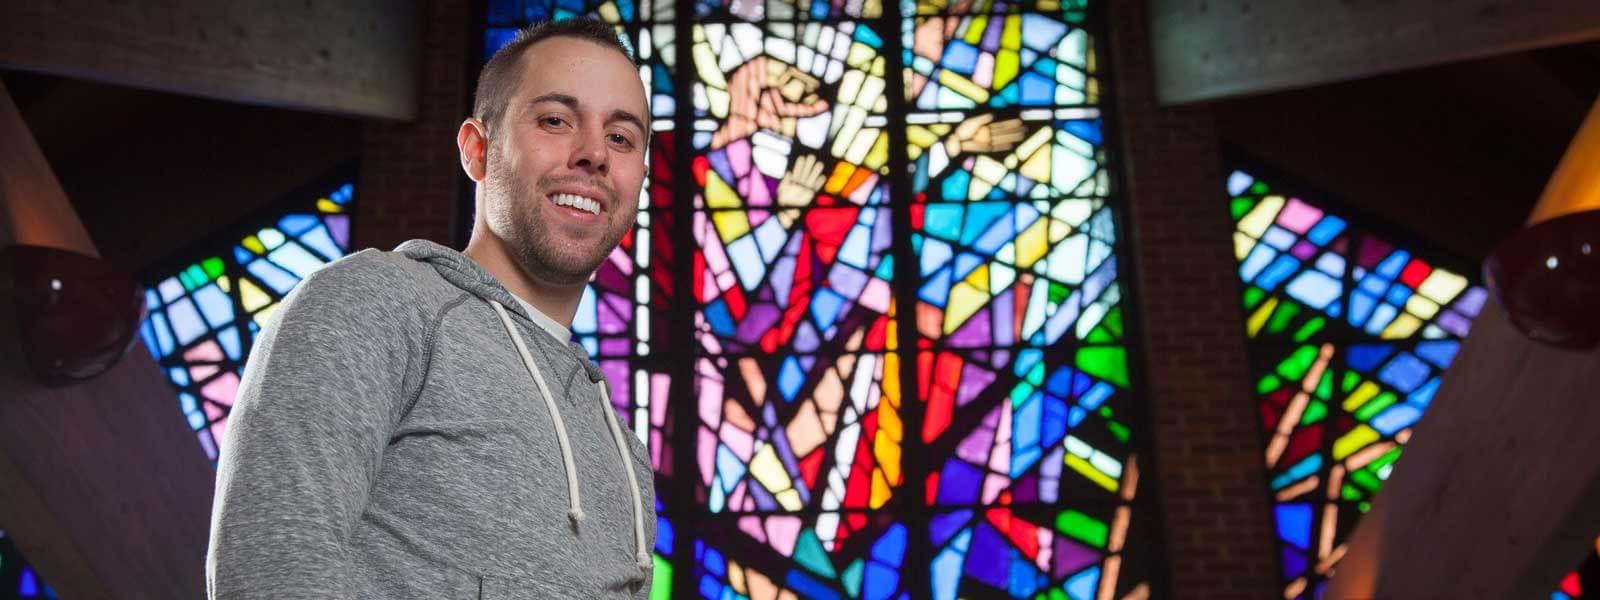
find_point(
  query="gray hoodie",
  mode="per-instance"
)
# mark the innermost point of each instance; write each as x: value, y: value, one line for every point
x: 394, y: 437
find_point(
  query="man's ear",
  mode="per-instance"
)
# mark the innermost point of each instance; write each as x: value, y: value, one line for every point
x: 473, y: 143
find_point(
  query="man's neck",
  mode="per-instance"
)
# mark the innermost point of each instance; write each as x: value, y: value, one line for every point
x: 557, y: 302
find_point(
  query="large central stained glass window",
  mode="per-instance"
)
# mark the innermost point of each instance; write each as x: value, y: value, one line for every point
x: 870, y: 318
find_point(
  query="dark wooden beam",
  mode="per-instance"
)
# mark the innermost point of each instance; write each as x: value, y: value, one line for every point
x: 102, y: 484
x: 1497, y: 494
x: 356, y: 58
x: 1210, y: 49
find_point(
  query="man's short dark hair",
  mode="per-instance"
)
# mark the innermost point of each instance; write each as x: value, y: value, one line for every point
x: 500, y: 75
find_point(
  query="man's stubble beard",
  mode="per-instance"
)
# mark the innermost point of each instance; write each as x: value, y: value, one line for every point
x: 514, y: 217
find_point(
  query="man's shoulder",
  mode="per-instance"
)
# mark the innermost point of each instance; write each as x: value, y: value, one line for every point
x: 373, y: 279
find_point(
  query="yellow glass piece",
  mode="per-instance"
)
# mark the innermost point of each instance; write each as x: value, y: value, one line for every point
x: 964, y: 301
x: 608, y: 11
x: 328, y: 206
x: 1402, y: 326
x: 251, y: 296
x: 979, y: 278
x: 891, y: 367
x: 1049, y: 5
x: 717, y: 100
x: 1442, y: 286
x: 1256, y: 222
x: 1092, y: 474
x: 1242, y: 245
x: 1259, y: 318
x: 1034, y: 142
x: 1366, y: 391
x: 222, y: 282
x: 841, y: 175
x: 1358, y: 438
x: 731, y: 224
x: 705, y: 65
x: 789, y: 499
x: 920, y: 137
x: 254, y: 245
x: 963, y: 86
x: 880, y: 490
x: 975, y: 30
x: 1032, y: 244
x: 861, y: 56
x: 1423, y: 308
x: 879, y: 155
x: 768, y: 470
x: 988, y: 169
x: 1038, y: 166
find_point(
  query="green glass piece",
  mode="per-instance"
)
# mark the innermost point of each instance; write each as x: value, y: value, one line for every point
x: 1309, y: 329
x: 1375, y: 406
x: 1109, y: 363
x: 1084, y: 528
x: 1281, y: 317
x: 1315, y: 411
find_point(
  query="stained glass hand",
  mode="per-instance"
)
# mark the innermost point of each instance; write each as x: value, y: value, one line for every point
x: 981, y: 134
x: 799, y: 186
x: 767, y: 93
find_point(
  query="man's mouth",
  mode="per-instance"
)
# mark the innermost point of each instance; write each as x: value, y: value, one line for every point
x: 583, y: 203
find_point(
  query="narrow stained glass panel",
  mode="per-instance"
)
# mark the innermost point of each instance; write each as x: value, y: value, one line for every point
x: 202, y: 319
x: 1350, y: 335
x: 1025, y: 386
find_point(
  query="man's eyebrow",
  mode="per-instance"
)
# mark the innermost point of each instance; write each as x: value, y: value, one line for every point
x: 565, y: 99
x: 628, y: 117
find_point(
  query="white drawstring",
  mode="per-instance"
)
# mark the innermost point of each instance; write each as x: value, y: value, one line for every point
x: 576, y: 508
x: 642, y: 556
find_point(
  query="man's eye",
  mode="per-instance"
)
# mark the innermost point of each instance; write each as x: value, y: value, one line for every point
x: 553, y: 121
x: 617, y: 138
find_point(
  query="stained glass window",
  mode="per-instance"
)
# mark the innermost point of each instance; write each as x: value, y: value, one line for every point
x: 203, y: 316
x: 1349, y: 335
x: 1002, y: 386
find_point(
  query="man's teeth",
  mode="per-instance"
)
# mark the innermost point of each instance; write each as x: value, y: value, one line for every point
x: 578, y: 202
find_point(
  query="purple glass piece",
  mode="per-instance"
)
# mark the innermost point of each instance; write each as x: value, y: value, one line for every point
x: 1304, y: 250
x: 974, y: 333
x: 1070, y: 557
x: 974, y: 380
x: 759, y: 319
x: 339, y: 227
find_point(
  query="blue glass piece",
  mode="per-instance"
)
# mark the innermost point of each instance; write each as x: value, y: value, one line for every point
x: 790, y: 378
x: 959, y: 56
x: 1280, y: 269
x: 1086, y: 129
x: 1440, y: 353
x: 1294, y: 524
x: 1405, y: 372
x: 1366, y: 357
x: 1325, y: 230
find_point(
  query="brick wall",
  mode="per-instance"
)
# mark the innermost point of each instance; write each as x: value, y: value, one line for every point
x: 1218, y: 527
x: 411, y: 177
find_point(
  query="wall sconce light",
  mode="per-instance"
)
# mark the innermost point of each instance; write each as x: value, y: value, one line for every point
x: 75, y: 313
x: 1547, y: 276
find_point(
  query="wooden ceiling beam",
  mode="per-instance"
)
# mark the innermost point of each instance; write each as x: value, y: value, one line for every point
x: 354, y: 58
x: 1214, y: 49
x: 1497, y: 494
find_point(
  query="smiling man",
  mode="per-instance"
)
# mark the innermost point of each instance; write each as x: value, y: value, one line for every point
x: 417, y: 423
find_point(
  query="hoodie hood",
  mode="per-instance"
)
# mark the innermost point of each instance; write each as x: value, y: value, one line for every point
x: 465, y: 273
